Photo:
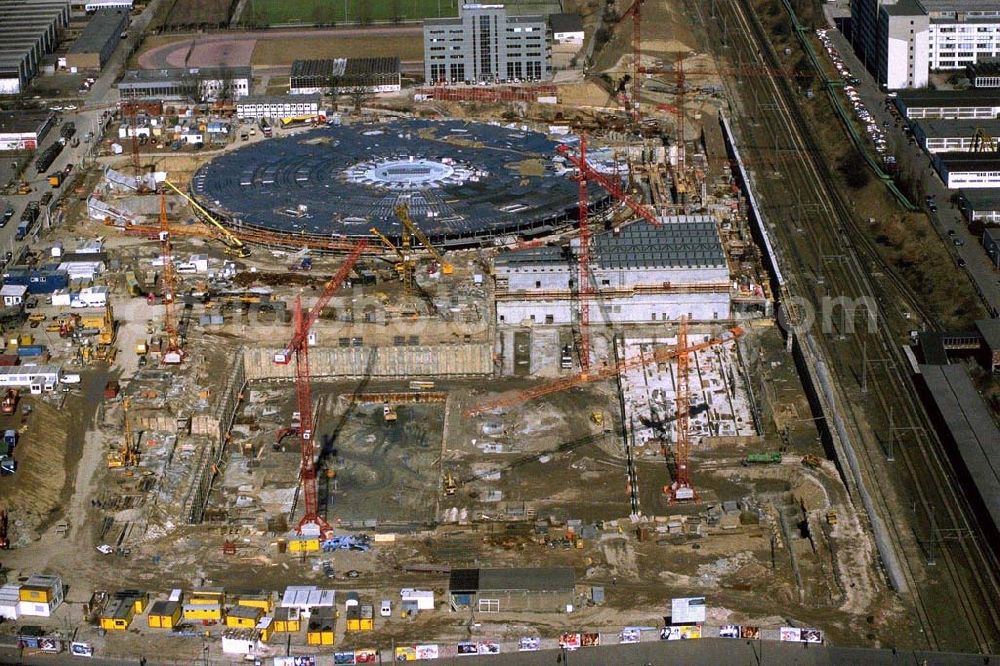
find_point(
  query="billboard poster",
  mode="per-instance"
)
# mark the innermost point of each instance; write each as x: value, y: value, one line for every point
x: 427, y: 652
x: 750, y: 632
x: 690, y: 631
x: 790, y: 634
x: 406, y: 653
x: 812, y: 636
x: 46, y: 644
x: 346, y: 658
x: 590, y: 640
x: 729, y: 631
x: 81, y: 650
x: 529, y: 643
x: 487, y: 647
x: 687, y: 610
x: 465, y: 648
x: 569, y: 641
x: 631, y: 635
x: 670, y: 634
x: 365, y: 656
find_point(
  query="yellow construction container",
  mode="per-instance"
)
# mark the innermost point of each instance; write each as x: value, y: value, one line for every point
x: 303, y: 545
x: 207, y: 596
x: 243, y: 617
x: 164, y: 615
x: 35, y: 593
x: 321, y: 626
x: 261, y: 600
x: 286, y: 621
x: 367, y: 618
x: 203, y: 612
x: 138, y: 599
x: 119, y: 616
x: 353, y: 619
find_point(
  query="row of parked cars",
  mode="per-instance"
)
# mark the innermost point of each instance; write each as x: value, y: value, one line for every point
x: 875, y: 133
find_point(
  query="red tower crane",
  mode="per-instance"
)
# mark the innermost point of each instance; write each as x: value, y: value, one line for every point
x: 635, y: 11
x: 173, y: 352
x: 583, y: 260
x: 298, y: 348
x: 681, y: 490
x: 610, y: 185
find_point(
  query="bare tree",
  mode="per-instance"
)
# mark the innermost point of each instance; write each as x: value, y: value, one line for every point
x: 358, y: 96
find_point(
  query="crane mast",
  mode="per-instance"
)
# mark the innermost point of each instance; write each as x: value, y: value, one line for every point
x: 681, y: 489
x: 298, y: 350
x: 173, y: 352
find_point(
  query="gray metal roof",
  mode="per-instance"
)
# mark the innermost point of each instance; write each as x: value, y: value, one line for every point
x: 534, y: 579
x: 989, y: 330
x: 686, y: 241
x: 134, y: 76
x: 689, y: 241
x: 934, y: 98
x: 934, y: 128
x: 982, y: 199
x: 971, y: 427
x: 104, y: 26
x: 23, y: 121
x: 965, y: 161
x: 566, y: 22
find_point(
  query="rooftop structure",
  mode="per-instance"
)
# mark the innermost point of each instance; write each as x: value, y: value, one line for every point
x: 463, y: 182
x: 29, y: 29
x: 985, y: 73
x: 566, y: 28
x: 968, y: 170
x: 23, y: 130
x: 951, y: 104
x: 201, y: 83
x: 972, y: 433
x: 981, y: 204
x: 937, y: 136
x: 97, y: 42
x: 374, y: 74
x: 643, y: 273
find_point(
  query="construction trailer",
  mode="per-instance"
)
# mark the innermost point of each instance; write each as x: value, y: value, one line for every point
x: 164, y: 614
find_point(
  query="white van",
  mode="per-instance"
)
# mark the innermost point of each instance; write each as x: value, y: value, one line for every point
x: 385, y: 610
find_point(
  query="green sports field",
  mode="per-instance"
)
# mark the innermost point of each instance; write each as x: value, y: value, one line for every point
x: 337, y: 12
x: 278, y: 12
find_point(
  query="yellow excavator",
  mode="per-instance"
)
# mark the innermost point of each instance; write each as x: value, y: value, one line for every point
x: 127, y: 454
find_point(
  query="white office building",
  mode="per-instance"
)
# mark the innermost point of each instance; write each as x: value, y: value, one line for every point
x: 902, y: 41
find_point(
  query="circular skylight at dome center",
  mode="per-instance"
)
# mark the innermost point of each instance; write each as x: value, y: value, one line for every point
x: 411, y: 173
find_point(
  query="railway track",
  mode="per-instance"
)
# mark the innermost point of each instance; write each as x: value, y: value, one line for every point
x: 833, y: 241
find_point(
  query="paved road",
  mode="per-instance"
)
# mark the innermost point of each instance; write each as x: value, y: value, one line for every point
x: 985, y: 278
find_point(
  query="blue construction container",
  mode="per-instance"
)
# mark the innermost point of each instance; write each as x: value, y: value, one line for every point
x: 37, y: 281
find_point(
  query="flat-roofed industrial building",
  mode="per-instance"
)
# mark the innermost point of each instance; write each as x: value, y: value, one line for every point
x: 942, y: 136
x: 203, y: 84
x: 980, y: 205
x: 541, y: 589
x: 376, y: 75
x: 968, y: 170
x: 24, y: 130
x: 29, y: 29
x: 954, y: 104
x: 644, y: 273
x: 93, y: 48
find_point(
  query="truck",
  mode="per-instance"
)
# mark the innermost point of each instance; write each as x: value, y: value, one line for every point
x: 265, y: 127
x: 10, y: 438
x: 48, y: 156
x: 771, y: 458
x: 67, y: 130
x: 22, y: 230
x: 56, y: 178
x: 9, y: 403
